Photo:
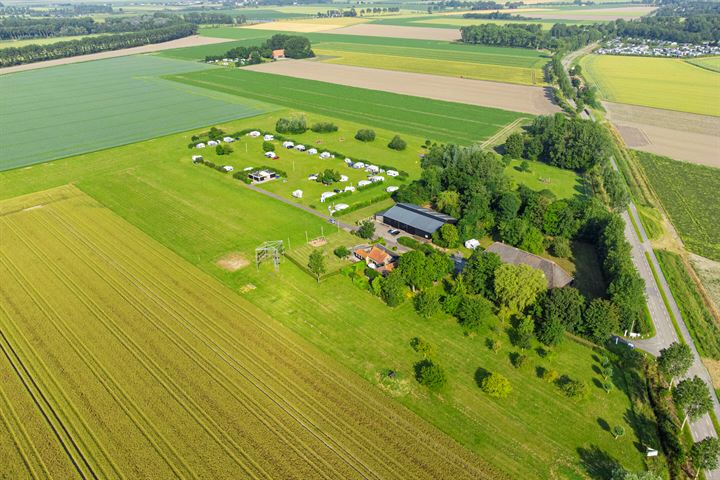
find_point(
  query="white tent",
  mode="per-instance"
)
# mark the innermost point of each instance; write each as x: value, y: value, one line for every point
x: 363, y: 183
x: 270, y: 155
x: 200, y: 145
x: 297, y: 193
x: 288, y: 144
x: 325, y: 155
x: 312, y: 151
x: 254, y: 133
x: 300, y: 148
x: 268, y: 137
x: 392, y: 173
x: 326, y: 195
x: 213, y: 143
x: 228, y: 139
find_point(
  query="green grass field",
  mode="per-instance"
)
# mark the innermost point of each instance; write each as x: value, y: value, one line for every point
x: 563, y: 183
x: 697, y: 317
x: 443, y: 121
x: 668, y: 83
x: 202, y: 215
x: 41, y: 41
x: 56, y: 112
x: 688, y: 194
x: 135, y: 358
x: 708, y: 63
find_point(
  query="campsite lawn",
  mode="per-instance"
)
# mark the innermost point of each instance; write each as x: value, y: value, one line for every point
x: 563, y: 183
x: 422, y: 117
x: 668, y: 83
x: 202, y: 215
x: 690, y: 199
x: 66, y: 110
x: 135, y: 357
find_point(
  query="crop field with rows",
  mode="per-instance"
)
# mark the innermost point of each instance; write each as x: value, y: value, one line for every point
x: 123, y: 342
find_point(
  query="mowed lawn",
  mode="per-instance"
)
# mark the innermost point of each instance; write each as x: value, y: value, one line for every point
x: 422, y: 117
x: 202, y: 215
x: 66, y: 110
x: 541, y: 176
x: 668, y: 83
x: 136, y: 359
x: 688, y: 193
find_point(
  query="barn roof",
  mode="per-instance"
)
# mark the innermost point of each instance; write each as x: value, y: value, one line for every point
x: 418, y: 217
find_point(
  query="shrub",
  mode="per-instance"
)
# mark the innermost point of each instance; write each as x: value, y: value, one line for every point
x: 423, y: 347
x: 365, y: 135
x: 572, y: 388
x: 496, y: 385
x: 397, y: 143
x: 341, y: 251
x: 550, y: 375
x: 524, y: 166
x: 324, y: 127
x: 291, y: 125
x: 366, y: 230
x: 518, y: 360
x: 430, y: 375
x: 561, y: 247
x: 409, y: 242
x: 427, y: 303
x: 268, y: 147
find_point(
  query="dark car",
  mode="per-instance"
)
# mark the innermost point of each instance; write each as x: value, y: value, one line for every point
x: 394, y: 231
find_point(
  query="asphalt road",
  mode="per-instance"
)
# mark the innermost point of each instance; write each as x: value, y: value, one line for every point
x: 665, y: 332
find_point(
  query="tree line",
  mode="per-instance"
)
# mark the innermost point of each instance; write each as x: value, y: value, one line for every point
x: 37, y: 53
x: 295, y: 46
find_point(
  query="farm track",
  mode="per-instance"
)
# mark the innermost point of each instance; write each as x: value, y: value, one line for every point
x: 285, y: 379
x: 289, y: 379
x: 490, y: 141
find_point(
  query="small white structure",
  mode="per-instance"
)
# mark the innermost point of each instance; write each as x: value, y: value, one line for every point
x: 228, y: 168
x: 271, y: 155
x: 228, y: 139
x: 254, y: 133
x: 297, y: 194
x: 376, y: 178
x: 197, y: 158
x: 312, y: 151
x: 392, y: 188
x: 349, y: 161
x: 300, y: 148
x: 213, y: 143
x: 472, y: 244
x: 358, y: 165
x: 343, y: 178
x: 392, y: 173
x: 326, y: 195
x: 341, y: 206
x: 200, y: 145
x: 372, y: 169
x: 288, y: 144
x: 349, y: 188
x: 268, y: 137
x: 247, y: 169
x: 325, y: 155
x: 364, y: 183
x: 313, y: 177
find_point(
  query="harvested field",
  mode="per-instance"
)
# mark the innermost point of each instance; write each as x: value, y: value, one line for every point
x: 135, y: 358
x: 589, y: 14
x: 518, y: 98
x: 192, y: 41
x: 301, y: 27
x: 392, y: 31
x: 682, y: 136
x: 709, y: 273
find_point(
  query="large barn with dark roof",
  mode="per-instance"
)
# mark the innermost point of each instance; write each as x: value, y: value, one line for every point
x: 414, y: 219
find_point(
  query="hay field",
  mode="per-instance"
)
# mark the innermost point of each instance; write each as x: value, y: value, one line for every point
x: 423, y: 117
x: 516, y: 98
x: 666, y: 83
x: 392, y: 31
x: 494, y: 64
x: 690, y: 199
x: 67, y: 110
x: 136, y: 358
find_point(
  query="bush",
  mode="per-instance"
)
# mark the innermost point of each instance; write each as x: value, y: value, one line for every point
x: 561, y: 247
x: 397, y: 143
x: 572, y: 388
x: 409, y: 242
x: 291, y: 125
x: 268, y: 147
x: 423, y: 347
x: 550, y: 375
x: 430, y: 375
x: 341, y: 251
x: 518, y: 359
x: 324, y: 127
x: 427, y: 303
x: 365, y: 135
x: 524, y: 166
x: 496, y: 385
x: 366, y: 230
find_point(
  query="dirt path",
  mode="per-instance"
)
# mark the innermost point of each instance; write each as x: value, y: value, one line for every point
x: 518, y: 98
x: 191, y: 41
x: 394, y: 31
x: 681, y: 136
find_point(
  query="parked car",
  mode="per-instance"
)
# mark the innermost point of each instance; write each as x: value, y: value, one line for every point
x: 394, y: 231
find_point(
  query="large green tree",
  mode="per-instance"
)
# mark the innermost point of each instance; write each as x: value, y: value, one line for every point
x: 316, y: 264
x: 517, y: 286
x: 392, y: 288
x: 704, y: 454
x: 600, y: 320
x: 479, y: 272
x: 413, y: 267
x: 693, y: 397
x: 675, y: 360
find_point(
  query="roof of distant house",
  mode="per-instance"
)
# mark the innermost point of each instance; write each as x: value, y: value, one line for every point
x: 555, y: 275
x: 377, y: 254
x: 278, y: 53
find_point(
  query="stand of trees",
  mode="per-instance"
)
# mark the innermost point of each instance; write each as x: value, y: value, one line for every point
x: 686, y: 22
x: 37, y: 53
x: 295, y: 46
x: 559, y: 37
x: 497, y: 16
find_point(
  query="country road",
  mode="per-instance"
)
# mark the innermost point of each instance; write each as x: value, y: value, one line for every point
x: 665, y: 332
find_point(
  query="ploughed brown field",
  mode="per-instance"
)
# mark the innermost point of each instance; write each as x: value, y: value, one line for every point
x: 518, y: 98
x: 682, y: 136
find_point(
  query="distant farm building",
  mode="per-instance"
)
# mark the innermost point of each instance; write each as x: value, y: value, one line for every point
x: 278, y: 54
x: 414, y: 219
x: 556, y: 276
x: 376, y: 257
x: 259, y: 176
